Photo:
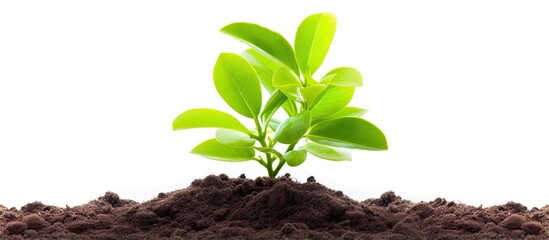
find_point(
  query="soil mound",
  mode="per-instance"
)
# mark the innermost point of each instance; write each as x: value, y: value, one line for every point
x: 238, y: 208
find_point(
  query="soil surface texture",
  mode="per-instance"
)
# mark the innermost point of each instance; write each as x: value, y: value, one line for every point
x: 219, y: 207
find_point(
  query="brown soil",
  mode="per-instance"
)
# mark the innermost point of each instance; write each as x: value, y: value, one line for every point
x: 219, y: 207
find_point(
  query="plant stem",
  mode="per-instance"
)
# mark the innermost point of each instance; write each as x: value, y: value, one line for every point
x: 261, y: 139
x: 260, y: 132
x: 269, y: 164
x: 283, y: 161
x: 261, y: 161
x: 280, y: 165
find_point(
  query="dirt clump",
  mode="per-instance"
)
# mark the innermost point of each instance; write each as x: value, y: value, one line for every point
x: 264, y: 208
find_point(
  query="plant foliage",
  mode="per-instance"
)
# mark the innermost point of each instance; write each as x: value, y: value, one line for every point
x: 318, y: 122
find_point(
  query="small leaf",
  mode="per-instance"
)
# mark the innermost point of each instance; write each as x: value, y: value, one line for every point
x: 233, y: 138
x: 265, y: 41
x: 267, y: 150
x: 345, y: 77
x: 287, y: 82
x: 207, y: 118
x: 212, y: 149
x: 328, y: 153
x: 237, y: 83
x: 274, y: 123
x: 349, y: 132
x: 270, y: 150
x: 310, y: 93
x: 312, y: 41
x: 345, y: 112
x: 293, y: 128
x: 295, y: 158
x: 332, y: 100
x: 275, y: 101
x: 290, y: 108
x: 254, y: 132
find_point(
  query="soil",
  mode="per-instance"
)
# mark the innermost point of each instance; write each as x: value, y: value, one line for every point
x: 219, y: 207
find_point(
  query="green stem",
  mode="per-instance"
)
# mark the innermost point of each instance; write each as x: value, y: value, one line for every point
x: 261, y: 139
x: 269, y: 164
x: 261, y: 161
x: 282, y: 161
x: 266, y: 127
x: 260, y: 132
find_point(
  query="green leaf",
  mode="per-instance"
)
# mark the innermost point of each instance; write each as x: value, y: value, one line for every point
x: 274, y: 123
x: 212, y: 149
x: 264, y: 66
x: 265, y: 41
x: 344, y: 76
x: 261, y: 61
x: 207, y: 118
x: 293, y: 128
x: 233, y: 138
x: 332, y: 100
x: 327, y: 79
x: 253, y: 132
x: 349, y: 132
x: 345, y: 112
x: 275, y: 101
x: 348, y: 112
x: 290, y: 108
x: 287, y: 82
x: 265, y: 78
x: 268, y: 150
x: 328, y: 153
x: 312, y: 41
x: 310, y: 93
x: 296, y: 157
x: 237, y: 83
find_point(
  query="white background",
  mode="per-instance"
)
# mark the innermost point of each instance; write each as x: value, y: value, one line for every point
x: 89, y: 89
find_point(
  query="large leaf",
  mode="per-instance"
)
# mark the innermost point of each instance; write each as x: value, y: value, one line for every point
x: 265, y: 41
x: 264, y: 66
x: 348, y: 112
x: 260, y: 60
x: 312, y: 41
x: 349, y: 132
x: 345, y: 112
x: 296, y: 157
x: 212, y: 149
x: 326, y: 79
x: 332, y: 100
x: 287, y: 82
x: 344, y: 76
x: 207, y: 118
x: 233, y: 138
x: 328, y: 153
x: 293, y: 128
x: 237, y: 83
x: 266, y: 78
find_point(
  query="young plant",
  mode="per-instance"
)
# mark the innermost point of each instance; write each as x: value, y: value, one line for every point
x: 319, y: 121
